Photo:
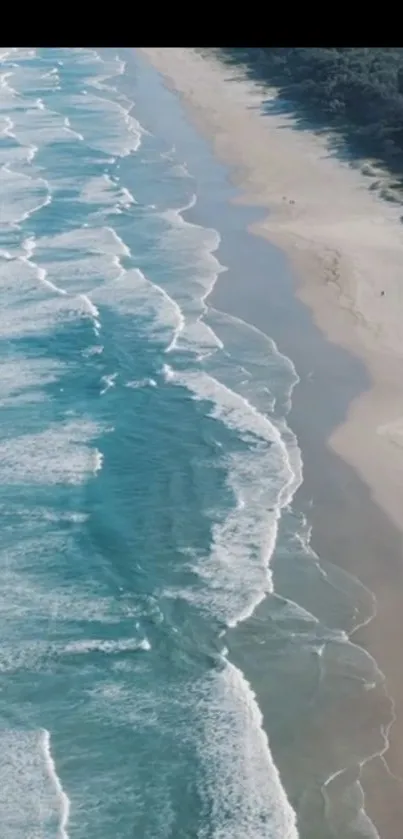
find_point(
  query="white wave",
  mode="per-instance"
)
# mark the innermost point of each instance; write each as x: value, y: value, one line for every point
x: 97, y: 461
x: 349, y: 806
x: 179, y: 315
x: 52, y: 74
x: 4, y: 83
x: 180, y: 170
x: 28, y: 79
x: 245, y: 794
x: 31, y: 152
x: 101, y: 82
x: 133, y: 294
x: 5, y: 54
x: 108, y: 382
x: 23, y: 53
x: 32, y: 801
x: 168, y: 373
x: 102, y: 240
x: 93, y: 645
x: 17, y: 155
x: 8, y: 126
x: 92, y: 310
x: 139, y: 383
x: 21, y: 195
x: 263, y: 479
x: 44, y: 514
x: 79, y: 274
x: 23, y: 380
x: 105, y: 124
x: 27, y: 310
x: 18, y: 278
x: 170, y: 154
x: 28, y: 246
x: 61, y: 454
x: 269, y: 376
x: 127, y: 198
x: 35, y: 127
x: 33, y: 598
x: 89, y: 57
x: 227, y: 405
x: 8, y: 98
x: 95, y: 350
x: 41, y: 514
x: 104, y: 192
x: 191, y: 249
x: 89, y: 256
x: 68, y: 128
x: 64, y: 802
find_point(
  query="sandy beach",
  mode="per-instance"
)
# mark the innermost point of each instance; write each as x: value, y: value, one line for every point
x: 346, y: 242
x: 346, y: 246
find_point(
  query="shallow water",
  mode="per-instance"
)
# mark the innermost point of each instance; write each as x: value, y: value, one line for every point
x: 147, y: 475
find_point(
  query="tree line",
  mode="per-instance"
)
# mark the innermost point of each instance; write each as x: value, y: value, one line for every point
x: 355, y: 91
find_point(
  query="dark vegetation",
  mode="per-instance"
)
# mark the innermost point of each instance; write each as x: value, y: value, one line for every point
x: 357, y: 92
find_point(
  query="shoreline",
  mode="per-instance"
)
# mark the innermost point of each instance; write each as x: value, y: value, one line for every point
x: 349, y: 312
x: 333, y: 199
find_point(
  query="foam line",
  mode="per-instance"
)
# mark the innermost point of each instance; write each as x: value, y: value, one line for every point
x: 64, y: 801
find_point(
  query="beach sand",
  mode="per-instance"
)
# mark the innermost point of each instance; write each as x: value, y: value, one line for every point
x: 346, y: 245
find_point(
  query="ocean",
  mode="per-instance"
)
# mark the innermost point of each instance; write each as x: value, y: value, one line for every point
x: 149, y: 541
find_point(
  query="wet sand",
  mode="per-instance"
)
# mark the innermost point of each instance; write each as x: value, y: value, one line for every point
x: 348, y: 528
x: 350, y: 398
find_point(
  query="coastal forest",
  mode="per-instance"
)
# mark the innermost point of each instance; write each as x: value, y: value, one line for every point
x: 357, y: 92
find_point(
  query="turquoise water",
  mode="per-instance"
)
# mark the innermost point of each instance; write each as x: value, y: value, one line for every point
x: 147, y: 475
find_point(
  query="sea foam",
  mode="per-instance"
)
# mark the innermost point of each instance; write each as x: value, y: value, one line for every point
x: 247, y: 798
x: 32, y: 800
